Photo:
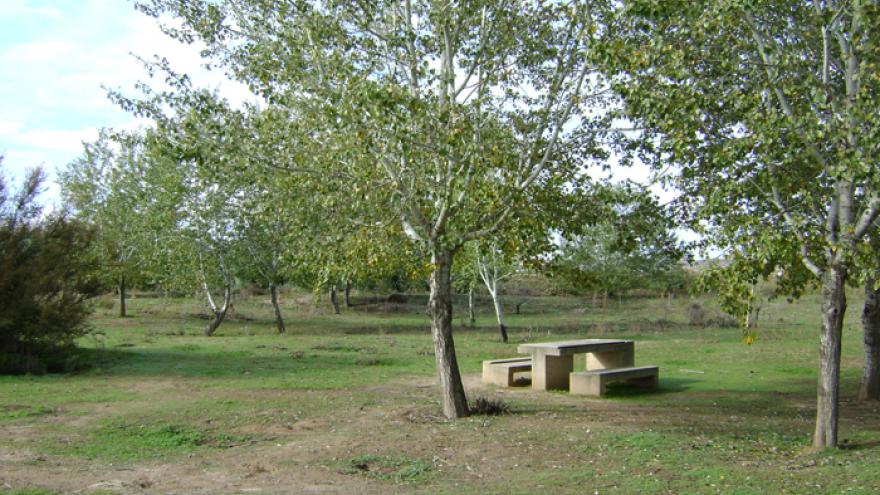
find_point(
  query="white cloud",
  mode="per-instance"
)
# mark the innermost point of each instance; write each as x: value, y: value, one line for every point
x: 9, y: 127
x: 31, y: 158
x: 57, y: 141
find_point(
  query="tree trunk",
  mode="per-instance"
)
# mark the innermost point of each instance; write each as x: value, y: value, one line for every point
x: 870, y: 389
x: 122, y: 296
x: 499, y: 314
x: 279, y: 320
x: 334, y: 299
x: 440, y: 305
x: 219, y: 313
x: 347, y: 294
x: 215, y: 322
x: 472, y: 312
x: 830, y: 336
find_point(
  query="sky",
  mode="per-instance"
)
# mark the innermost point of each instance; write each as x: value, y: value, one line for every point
x: 55, y: 58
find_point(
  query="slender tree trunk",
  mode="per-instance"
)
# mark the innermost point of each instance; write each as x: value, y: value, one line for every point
x: 440, y: 304
x: 215, y: 323
x: 122, y: 296
x: 347, y: 294
x: 830, y: 336
x: 279, y: 320
x: 219, y: 313
x: 334, y: 299
x: 870, y: 389
x: 472, y: 312
x: 499, y: 314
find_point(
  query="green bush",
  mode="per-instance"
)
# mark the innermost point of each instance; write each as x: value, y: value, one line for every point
x: 46, y: 276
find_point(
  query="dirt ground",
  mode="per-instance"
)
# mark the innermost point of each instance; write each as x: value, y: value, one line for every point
x: 301, y: 457
x: 545, y: 434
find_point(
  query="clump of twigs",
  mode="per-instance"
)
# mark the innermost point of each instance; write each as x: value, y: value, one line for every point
x: 489, y: 407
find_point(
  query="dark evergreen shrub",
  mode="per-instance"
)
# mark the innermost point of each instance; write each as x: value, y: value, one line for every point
x: 46, y: 275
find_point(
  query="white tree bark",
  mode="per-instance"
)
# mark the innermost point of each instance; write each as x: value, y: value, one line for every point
x: 472, y: 311
x: 491, y: 275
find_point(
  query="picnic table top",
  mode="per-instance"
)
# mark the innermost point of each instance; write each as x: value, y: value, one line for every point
x: 566, y: 347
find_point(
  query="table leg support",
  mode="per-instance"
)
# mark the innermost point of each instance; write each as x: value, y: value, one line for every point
x: 551, y: 372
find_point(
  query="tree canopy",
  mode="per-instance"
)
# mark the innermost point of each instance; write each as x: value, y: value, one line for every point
x: 631, y: 246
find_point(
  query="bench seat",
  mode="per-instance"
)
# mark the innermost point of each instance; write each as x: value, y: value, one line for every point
x: 500, y: 371
x: 594, y: 382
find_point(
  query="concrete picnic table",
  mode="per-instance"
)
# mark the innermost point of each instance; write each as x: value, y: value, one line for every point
x: 552, y: 362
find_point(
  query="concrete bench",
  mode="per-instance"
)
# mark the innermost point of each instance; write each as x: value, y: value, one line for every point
x: 594, y: 382
x: 500, y: 371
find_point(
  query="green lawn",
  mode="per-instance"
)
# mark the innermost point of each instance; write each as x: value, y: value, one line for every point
x: 347, y: 403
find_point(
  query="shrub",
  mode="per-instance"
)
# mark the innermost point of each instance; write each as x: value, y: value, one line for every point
x: 700, y: 317
x: 46, y: 275
x: 696, y: 315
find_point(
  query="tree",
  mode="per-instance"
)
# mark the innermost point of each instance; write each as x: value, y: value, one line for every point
x: 376, y: 259
x: 870, y: 388
x: 769, y: 111
x: 631, y: 246
x: 156, y: 212
x: 595, y: 261
x: 46, y: 277
x: 238, y: 200
x: 492, y: 271
x: 279, y: 223
x: 485, y: 262
x: 203, y: 138
x: 441, y: 116
x: 466, y: 278
x: 194, y: 229
x: 228, y: 220
x: 103, y: 187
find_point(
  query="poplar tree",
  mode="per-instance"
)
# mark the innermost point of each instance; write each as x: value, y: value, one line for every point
x: 442, y: 115
x: 768, y: 110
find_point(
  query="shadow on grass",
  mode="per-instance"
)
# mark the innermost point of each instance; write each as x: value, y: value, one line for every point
x: 675, y: 385
x: 749, y: 409
x: 232, y: 364
x: 390, y: 330
x: 667, y: 386
x: 859, y: 445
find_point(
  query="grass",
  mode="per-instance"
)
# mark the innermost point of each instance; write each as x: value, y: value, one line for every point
x: 351, y: 395
x: 118, y: 441
x: 396, y: 469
